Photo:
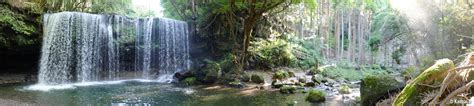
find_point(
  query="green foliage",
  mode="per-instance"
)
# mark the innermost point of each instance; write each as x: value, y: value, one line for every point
x: 15, y: 21
x: 257, y: 79
x: 351, y: 73
x: 280, y: 74
x: 227, y: 62
x: 306, y: 52
x: 122, y: 7
x: 271, y: 54
x: 287, y: 89
x: 315, y: 96
x: 397, y: 54
x: 17, y: 30
x: 374, y: 41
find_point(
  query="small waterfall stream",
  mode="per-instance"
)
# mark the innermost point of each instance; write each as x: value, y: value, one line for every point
x: 81, y: 47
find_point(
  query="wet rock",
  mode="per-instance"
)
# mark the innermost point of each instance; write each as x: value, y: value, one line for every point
x: 310, y: 84
x: 277, y: 84
x: 330, y: 82
x: 183, y: 75
x: 236, y: 84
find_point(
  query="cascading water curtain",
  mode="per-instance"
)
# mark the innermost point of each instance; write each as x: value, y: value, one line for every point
x: 81, y: 47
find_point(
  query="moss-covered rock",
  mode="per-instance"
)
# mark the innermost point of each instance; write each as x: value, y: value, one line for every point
x: 431, y: 76
x: 318, y: 79
x: 257, y: 79
x: 315, y: 96
x: 374, y: 88
x: 287, y: 89
x: 280, y: 75
x: 209, y: 73
x: 344, y: 89
x: 245, y: 77
x: 189, y: 81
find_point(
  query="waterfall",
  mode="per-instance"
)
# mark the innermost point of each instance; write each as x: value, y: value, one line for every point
x: 81, y: 47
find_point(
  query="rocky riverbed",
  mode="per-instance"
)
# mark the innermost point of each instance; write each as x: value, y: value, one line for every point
x: 17, y: 78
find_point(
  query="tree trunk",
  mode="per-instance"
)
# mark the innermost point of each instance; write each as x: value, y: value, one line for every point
x: 349, y: 37
x: 342, y: 36
x: 249, y: 23
x: 337, y: 34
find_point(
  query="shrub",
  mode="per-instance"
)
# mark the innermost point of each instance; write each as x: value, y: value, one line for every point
x: 315, y: 96
x: 270, y: 54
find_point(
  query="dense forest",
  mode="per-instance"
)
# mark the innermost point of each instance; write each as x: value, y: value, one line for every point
x: 396, y: 52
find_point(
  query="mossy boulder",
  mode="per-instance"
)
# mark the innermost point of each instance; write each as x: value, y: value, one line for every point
x: 257, y: 79
x: 189, y: 81
x: 318, y: 79
x: 431, y: 76
x: 287, y: 89
x: 209, y: 73
x: 374, y: 88
x: 280, y: 75
x: 315, y: 96
x: 245, y: 78
x: 344, y: 89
